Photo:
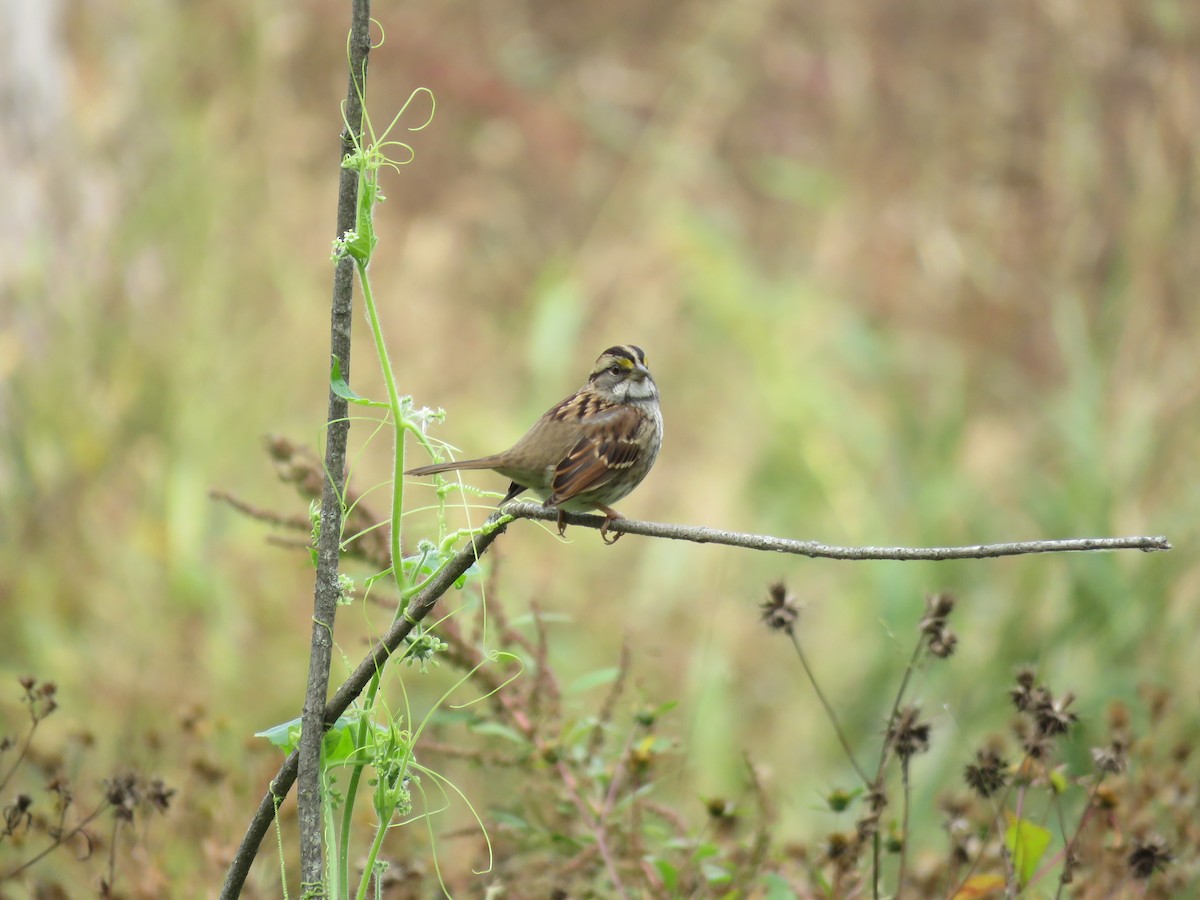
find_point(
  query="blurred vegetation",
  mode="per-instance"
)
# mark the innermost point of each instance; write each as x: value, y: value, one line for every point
x: 905, y: 274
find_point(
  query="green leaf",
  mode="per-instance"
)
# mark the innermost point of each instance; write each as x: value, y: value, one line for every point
x: 339, y: 385
x: 777, y: 888
x: 715, y: 874
x: 1058, y: 781
x: 286, y: 736
x: 472, y: 571
x: 594, y: 679
x: 338, y: 745
x: 668, y: 873
x: 338, y: 741
x: 646, y: 717
x: 420, y: 566
x: 1027, y: 843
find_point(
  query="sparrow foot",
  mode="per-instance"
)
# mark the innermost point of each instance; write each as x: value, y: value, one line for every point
x: 610, y: 516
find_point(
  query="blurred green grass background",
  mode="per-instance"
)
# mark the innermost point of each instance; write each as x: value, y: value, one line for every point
x: 919, y: 274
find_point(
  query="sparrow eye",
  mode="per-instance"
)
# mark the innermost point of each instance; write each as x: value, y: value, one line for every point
x: 614, y: 369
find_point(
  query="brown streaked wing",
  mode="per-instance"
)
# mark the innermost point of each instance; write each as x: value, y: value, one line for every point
x: 607, y: 447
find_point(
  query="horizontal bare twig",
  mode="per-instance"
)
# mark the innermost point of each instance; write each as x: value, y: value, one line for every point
x: 701, y: 535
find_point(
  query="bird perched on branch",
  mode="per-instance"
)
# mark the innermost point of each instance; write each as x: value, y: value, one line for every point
x: 591, y: 449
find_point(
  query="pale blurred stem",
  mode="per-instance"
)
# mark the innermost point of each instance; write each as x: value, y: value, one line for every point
x: 1069, y: 845
x: 997, y: 823
x: 595, y: 824
x: 373, y: 854
x: 20, y: 754
x: 1005, y: 856
x: 1010, y: 869
x: 886, y: 750
x: 1014, y: 876
x: 837, y: 728
x: 343, y: 860
x: 389, y: 380
x: 352, y: 787
x: 326, y: 590
x: 904, y: 826
x: 112, y: 848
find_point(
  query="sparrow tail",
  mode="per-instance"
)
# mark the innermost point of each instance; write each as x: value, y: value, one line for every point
x: 484, y: 462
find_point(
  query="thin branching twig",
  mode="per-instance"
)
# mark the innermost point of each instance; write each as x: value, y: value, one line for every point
x: 700, y: 534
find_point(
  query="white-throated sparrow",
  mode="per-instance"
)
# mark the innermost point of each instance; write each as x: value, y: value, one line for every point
x: 590, y: 450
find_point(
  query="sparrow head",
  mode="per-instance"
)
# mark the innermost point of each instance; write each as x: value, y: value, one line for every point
x: 621, y: 373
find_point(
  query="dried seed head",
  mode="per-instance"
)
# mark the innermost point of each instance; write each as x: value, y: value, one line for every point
x: 780, y: 610
x: 937, y: 609
x: 842, y: 850
x: 1037, y: 747
x: 1107, y: 797
x: 1052, y: 716
x: 907, y: 734
x: 1110, y: 760
x: 943, y: 643
x: 987, y: 775
x: 159, y: 795
x: 722, y: 813
x: 1025, y: 684
x: 123, y: 794
x: 1148, y: 856
x: 720, y: 808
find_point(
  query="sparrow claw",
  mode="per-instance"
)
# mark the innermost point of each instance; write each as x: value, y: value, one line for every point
x: 610, y: 516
